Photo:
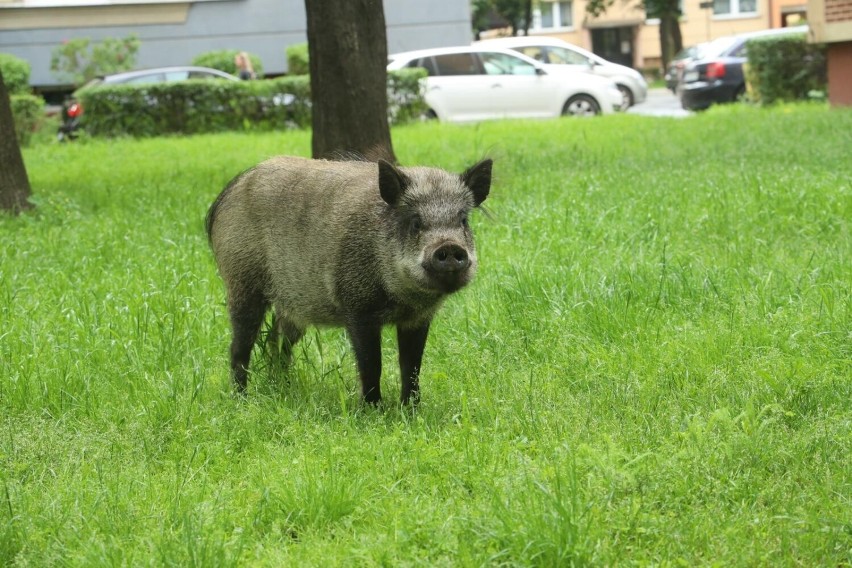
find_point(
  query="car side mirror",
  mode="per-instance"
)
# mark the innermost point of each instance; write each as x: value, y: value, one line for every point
x: 591, y: 63
x: 540, y: 71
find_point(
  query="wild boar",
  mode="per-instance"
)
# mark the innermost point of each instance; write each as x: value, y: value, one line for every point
x: 352, y: 244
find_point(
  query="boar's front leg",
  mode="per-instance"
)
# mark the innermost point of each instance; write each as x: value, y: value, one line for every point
x: 246, y: 309
x: 367, y: 343
x: 411, y: 343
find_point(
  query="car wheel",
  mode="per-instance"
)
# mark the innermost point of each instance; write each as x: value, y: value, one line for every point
x: 740, y: 95
x: 581, y: 105
x: 626, y: 97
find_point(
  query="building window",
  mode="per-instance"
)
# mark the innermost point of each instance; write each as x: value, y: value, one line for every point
x: 734, y: 7
x: 551, y: 15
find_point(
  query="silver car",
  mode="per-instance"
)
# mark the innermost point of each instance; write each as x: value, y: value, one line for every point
x: 555, y: 52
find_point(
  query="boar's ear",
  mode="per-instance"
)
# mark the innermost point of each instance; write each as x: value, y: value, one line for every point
x: 392, y: 182
x: 478, y: 179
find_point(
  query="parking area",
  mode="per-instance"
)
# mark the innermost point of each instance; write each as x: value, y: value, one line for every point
x: 660, y: 102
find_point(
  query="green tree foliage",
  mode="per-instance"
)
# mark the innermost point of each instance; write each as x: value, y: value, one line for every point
x: 517, y: 13
x: 80, y: 60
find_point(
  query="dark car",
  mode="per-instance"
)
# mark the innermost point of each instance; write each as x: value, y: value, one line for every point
x: 716, y: 76
x: 72, y: 109
x: 674, y: 72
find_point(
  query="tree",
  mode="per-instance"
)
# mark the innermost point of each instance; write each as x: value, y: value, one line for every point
x: 348, y: 54
x: 668, y: 12
x: 515, y: 13
x: 14, y: 183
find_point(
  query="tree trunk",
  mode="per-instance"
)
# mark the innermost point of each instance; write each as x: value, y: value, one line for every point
x: 348, y: 52
x: 671, y: 40
x: 528, y: 10
x: 14, y: 184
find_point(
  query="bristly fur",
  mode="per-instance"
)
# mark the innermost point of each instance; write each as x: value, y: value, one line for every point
x: 210, y: 218
x: 354, y: 244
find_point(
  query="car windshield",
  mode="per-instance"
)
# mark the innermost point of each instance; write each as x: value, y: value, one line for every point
x: 717, y: 47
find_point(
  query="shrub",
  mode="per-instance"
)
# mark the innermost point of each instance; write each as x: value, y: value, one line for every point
x: 192, y: 107
x: 27, y: 109
x: 298, y: 62
x: 784, y: 68
x: 27, y: 113
x: 81, y: 61
x: 16, y: 74
x: 223, y: 60
x: 405, y: 95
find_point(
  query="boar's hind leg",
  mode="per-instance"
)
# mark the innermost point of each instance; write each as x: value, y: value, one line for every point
x: 246, y: 310
x: 283, y: 337
x: 367, y: 344
x: 411, y: 345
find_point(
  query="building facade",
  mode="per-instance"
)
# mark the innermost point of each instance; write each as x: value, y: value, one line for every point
x: 173, y: 32
x: 625, y: 35
x: 831, y: 24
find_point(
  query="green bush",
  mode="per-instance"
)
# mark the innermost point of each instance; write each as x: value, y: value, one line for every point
x: 16, y: 74
x: 27, y: 113
x: 192, y: 107
x: 80, y: 61
x: 195, y: 106
x: 405, y: 95
x: 298, y: 62
x: 27, y: 109
x: 223, y: 60
x: 785, y: 68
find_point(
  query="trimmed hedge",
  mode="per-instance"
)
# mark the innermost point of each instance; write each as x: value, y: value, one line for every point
x: 199, y: 106
x: 405, y: 95
x: 193, y: 107
x: 27, y: 113
x: 27, y: 109
x: 785, y: 68
x: 298, y: 62
x: 223, y: 60
x: 16, y: 74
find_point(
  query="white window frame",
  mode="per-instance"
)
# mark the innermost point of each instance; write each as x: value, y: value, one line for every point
x: 556, y: 7
x: 736, y: 13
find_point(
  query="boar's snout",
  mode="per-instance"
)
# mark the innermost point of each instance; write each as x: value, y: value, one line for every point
x: 448, y: 266
x: 448, y: 258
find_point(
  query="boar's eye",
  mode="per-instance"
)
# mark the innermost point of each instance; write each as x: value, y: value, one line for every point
x: 464, y: 221
x: 416, y: 225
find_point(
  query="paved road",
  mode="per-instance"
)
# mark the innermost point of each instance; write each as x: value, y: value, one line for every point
x: 660, y: 102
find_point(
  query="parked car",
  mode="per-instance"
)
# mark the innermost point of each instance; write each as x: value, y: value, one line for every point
x: 674, y: 72
x: 553, y: 51
x: 470, y: 83
x: 72, y: 110
x: 716, y: 75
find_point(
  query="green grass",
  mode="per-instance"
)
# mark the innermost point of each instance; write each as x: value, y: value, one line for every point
x: 653, y: 366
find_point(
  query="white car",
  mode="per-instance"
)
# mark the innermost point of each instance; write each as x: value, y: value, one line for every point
x: 555, y: 52
x: 471, y: 83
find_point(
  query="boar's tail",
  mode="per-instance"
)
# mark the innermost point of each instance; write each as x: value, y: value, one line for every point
x: 214, y: 209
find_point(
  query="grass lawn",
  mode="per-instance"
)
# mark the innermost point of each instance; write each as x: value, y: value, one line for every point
x: 654, y: 365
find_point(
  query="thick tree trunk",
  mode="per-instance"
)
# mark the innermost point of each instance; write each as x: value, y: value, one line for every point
x: 14, y: 184
x: 671, y: 40
x: 347, y: 46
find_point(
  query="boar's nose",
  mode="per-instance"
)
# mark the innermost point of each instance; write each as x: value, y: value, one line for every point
x: 449, y: 258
